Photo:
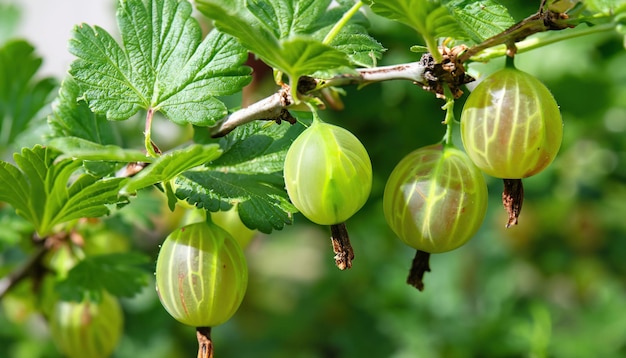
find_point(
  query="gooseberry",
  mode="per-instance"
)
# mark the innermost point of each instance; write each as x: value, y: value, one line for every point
x: 511, y: 126
x: 201, y: 275
x: 87, y: 329
x: 435, y: 199
x: 328, y: 173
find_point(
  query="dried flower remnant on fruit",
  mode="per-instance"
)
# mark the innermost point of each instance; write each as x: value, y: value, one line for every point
x: 419, y: 267
x: 512, y: 199
x: 341, y: 246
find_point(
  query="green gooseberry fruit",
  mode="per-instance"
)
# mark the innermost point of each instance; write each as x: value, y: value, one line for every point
x: 328, y: 173
x: 87, y: 329
x: 511, y: 125
x: 435, y: 199
x: 201, y: 275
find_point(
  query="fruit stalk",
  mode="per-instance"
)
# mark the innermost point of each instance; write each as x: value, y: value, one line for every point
x: 205, y: 345
x: 341, y: 246
x: 419, y: 267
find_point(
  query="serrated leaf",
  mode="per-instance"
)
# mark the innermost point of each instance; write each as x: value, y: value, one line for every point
x: 171, y: 164
x: 71, y: 117
x: 21, y: 96
x: 73, y: 147
x: 47, y: 192
x: 256, y: 148
x: 121, y: 274
x: 430, y: 18
x: 262, y: 201
x: 480, y: 19
x: 163, y: 66
x: 249, y: 173
x: 288, y: 34
x: 362, y: 49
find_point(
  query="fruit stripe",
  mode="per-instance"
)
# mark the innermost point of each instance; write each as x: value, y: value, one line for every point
x: 435, y: 199
x: 510, y: 125
x: 201, y: 275
x: 87, y: 329
x: 328, y: 174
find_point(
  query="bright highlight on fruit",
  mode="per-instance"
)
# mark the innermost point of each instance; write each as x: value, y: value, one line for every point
x: 511, y: 125
x: 201, y: 275
x: 435, y: 199
x: 328, y: 173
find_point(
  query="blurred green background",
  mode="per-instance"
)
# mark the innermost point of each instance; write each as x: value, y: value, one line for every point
x: 554, y: 286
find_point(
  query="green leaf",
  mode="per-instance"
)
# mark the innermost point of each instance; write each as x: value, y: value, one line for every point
x: 169, y: 165
x: 262, y: 201
x: 362, y: 49
x: 430, y: 18
x: 249, y: 173
x: 288, y: 35
x: 480, y: 19
x: 73, y: 147
x: 71, y: 117
x: 163, y: 66
x: 121, y: 274
x: 9, y: 19
x: 48, y: 192
x: 22, y: 97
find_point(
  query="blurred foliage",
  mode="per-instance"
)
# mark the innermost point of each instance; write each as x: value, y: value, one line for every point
x: 554, y: 286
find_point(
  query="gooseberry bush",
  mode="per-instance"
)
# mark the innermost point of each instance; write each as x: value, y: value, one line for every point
x: 239, y: 161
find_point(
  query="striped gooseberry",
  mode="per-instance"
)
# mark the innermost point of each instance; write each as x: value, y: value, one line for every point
x: 328, y: 173
x: 511, y: 126
x: 201, y: 275
x: 435, y: 199
x: 87, y: 329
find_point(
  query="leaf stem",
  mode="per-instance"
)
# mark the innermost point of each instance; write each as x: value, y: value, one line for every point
x: 330, y: 36
x: 151, y: 148
x: 449, y: 119
x: 431, y: 43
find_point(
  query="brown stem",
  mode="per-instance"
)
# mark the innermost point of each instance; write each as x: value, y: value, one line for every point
x: 539, y: 22
x: 15, y: 277
x: 341, y: 246
x: 419, y: 267
x: 205, y: 345
x: 512, y: 199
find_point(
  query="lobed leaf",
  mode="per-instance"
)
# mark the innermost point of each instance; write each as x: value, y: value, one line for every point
x: 430, y: 18
x: 247, y: 174
x: 163, y: 64
x: 121, y: 274
x: 22, y: 97
x: 480, y: 19
x: 288, y: 34
x: 169, y: 165
x: 48, y: 192
x: 262, y: 201
x: 71, y: 117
